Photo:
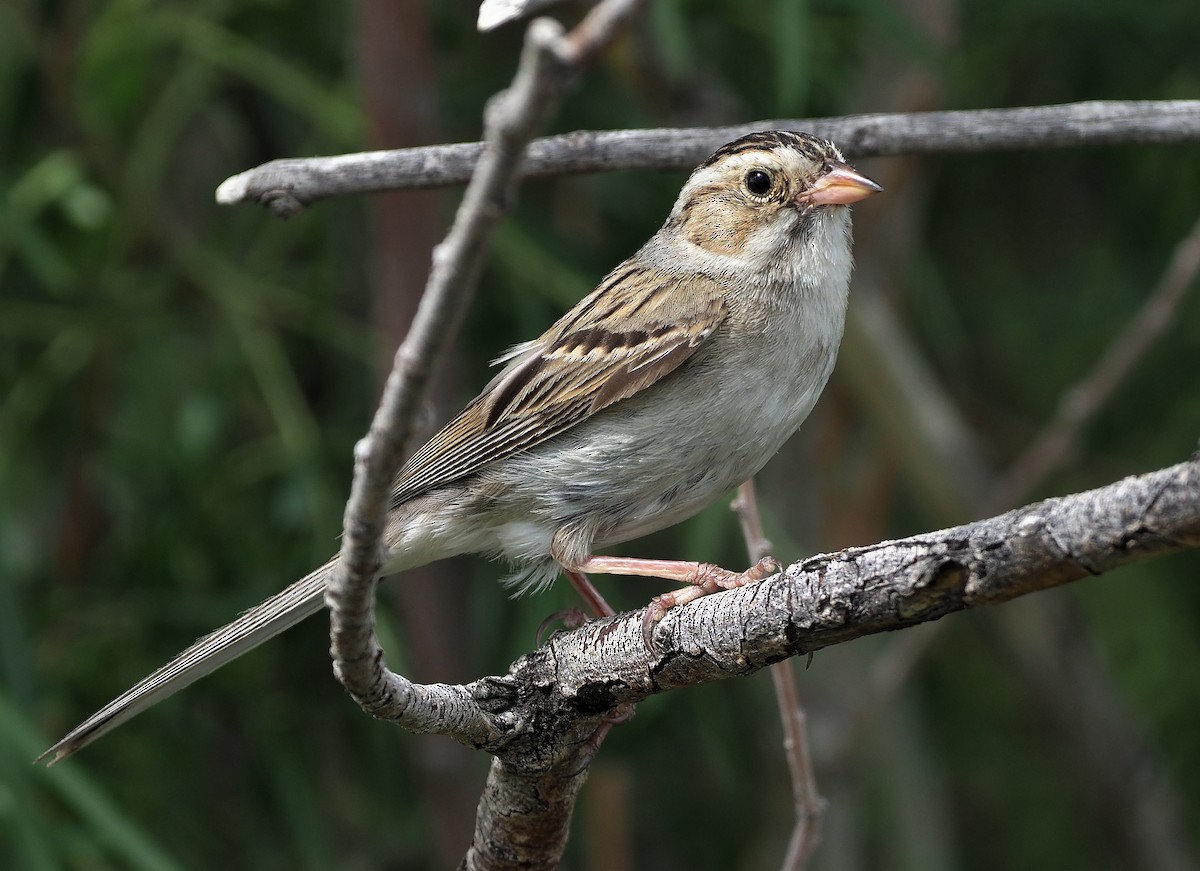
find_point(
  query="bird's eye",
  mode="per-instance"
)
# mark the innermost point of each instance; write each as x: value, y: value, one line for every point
x: 758, y: 182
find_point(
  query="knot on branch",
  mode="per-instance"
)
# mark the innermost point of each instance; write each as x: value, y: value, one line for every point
x: 940, y: 589
x: 282, y: 203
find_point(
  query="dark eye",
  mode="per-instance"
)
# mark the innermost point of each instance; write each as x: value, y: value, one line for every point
x: 758, y: 182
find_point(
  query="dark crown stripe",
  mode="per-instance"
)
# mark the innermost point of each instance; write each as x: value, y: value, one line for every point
x: 811, y: 146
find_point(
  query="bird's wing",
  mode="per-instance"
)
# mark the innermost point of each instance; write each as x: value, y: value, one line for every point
x: 640, y: 324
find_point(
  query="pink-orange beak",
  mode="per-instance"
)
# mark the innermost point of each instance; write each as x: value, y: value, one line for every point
x: 840, y: 186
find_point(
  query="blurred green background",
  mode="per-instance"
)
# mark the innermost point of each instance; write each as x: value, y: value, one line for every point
x: 181, y: 386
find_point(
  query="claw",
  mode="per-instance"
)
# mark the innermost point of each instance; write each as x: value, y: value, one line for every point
x: 707, y: 579
x: 572, y: 618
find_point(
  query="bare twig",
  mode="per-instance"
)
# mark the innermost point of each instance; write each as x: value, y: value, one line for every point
x: 494, y: 13
x: 1080, y: 404
x: 285, y: 186
x: 537, y: 836
x: 745, y: 506
x: 807, y: 801
x: 358, y: 660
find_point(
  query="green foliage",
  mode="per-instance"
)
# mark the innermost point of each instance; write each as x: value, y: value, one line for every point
x: 181, y: 386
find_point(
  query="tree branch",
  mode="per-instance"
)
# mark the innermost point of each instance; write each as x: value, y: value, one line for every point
x: 287, y: 185
x: 552, y: 699
x: 357, y: 658
x: 833, y: 598
x: 549, y: 60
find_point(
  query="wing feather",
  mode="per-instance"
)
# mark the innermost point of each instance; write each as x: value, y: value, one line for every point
x: 640, y: 325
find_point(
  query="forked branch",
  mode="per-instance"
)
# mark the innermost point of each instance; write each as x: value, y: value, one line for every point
x: 553, y: 698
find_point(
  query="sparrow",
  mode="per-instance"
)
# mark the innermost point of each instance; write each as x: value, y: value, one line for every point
x: 671, y: 383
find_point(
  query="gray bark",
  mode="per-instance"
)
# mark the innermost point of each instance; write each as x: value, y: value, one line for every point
x: 287, y: 185
x: 542, y: 712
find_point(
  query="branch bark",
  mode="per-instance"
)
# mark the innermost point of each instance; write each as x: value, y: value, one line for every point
x: 833, y: 598
x: 287, y: 185
x: 554, y: 698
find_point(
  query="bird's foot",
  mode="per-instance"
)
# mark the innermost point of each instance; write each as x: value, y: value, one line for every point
x: 701, y: 579
x: 571, y: 618
x: 706, y: 579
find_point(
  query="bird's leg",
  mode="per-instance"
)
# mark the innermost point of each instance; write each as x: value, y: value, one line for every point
x: 701, y: 578
x: 590, y: 595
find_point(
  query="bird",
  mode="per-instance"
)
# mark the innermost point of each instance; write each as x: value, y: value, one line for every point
x: 671, y: 383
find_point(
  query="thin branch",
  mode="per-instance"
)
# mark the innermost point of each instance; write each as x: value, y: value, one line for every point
x: 808, y: 803
x: 494, y: 13
x: 533, y: 838
x: 745, y: 506
x: 358, y: 660
x: 288, y: 185
x: 833, y: 598
x: 1080, y: 404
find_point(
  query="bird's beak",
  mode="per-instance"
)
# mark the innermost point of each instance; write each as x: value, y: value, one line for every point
x: 840, y: 186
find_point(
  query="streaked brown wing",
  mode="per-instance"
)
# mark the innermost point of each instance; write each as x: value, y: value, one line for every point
x: 638, y: 326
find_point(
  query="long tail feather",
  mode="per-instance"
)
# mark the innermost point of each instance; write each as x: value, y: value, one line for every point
x: 259, y: 624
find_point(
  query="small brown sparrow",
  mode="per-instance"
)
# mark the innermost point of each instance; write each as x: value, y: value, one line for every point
x: 670, y: 384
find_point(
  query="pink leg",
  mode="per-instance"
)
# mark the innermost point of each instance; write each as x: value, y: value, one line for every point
x: 703, y: 578
x: 590, y: 595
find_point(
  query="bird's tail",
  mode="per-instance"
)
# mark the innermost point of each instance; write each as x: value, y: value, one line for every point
x: 259, y: 624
